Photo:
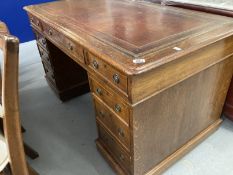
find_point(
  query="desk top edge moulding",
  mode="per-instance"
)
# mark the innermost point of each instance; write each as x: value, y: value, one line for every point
x: 158, y: 75
x: 139, y: 47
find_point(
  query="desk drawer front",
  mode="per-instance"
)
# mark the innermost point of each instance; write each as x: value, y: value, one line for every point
x: 65, y: 43
x: 114, y: 124
x: 49, y: 71
x: 115, y: 77
x: 35, y: 22
x: 118, y: 153
x: 45, y: 56
x: 113, y: 100
x: 41, y: 41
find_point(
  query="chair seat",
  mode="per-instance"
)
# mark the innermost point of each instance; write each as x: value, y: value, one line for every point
x: 4, y: 158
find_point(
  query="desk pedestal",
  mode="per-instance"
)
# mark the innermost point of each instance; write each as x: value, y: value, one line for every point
x: 65, y: 77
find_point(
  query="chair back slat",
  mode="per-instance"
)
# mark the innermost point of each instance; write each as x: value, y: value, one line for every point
x: 3, y: 31
x: 10, y: 102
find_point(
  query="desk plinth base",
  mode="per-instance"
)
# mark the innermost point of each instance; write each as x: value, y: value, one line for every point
x: 166, y: 163
x: 115, y: 166
x: 228, y: 108
x: 228, y: 111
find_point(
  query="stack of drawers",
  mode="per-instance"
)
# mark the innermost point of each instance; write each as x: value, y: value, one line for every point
x: 65, y: 77
x: 109, y: 90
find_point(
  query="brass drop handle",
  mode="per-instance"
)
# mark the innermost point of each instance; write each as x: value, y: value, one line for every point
x: 121, y: 132
x: 95, y: 64
x: 38, y: 23
x: 117, y: 108
x: 70, y: 47
x: 50, y: 32
x: 122, y: 157
x: 43, y: 41
x: 116, y: 78
x: 99, y: 91
x: 101, y: 113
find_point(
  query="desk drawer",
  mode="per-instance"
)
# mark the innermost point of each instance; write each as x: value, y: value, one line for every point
x: 66, y: 44
x: 45, y: 56
x: 114, y: 124
x: 41, y: 41
x: 114, y: 76
x: 113, y: 100
x: 35, y: 22
x: 49, y: 71
x: 119, y: 154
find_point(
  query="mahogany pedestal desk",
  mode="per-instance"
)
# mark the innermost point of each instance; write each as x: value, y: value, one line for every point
x: 158, y: 75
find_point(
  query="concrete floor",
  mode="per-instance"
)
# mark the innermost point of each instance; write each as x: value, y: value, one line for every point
x: 64, y: 133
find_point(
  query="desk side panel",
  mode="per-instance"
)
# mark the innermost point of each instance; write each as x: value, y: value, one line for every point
x: 166, y: 122
x: 157, y: 80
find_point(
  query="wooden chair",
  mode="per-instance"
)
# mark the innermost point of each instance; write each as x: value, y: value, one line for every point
x: 12, y: 155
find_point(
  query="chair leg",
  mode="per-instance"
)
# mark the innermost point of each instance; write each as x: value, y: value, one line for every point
x: 31, y: 153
